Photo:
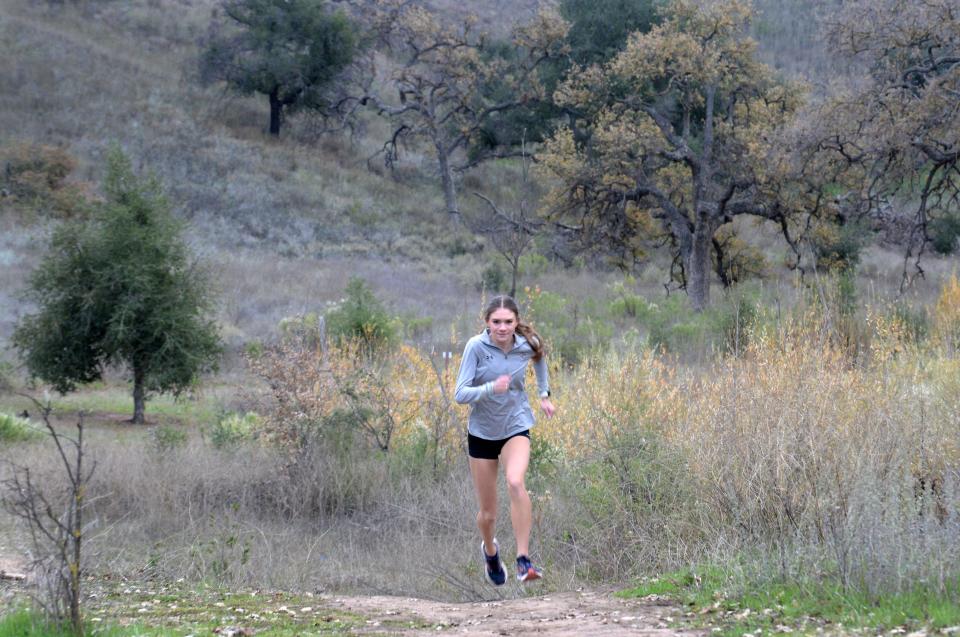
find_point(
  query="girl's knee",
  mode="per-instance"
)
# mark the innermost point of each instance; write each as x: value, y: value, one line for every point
x: 486, y: 517
x: 515, y: 485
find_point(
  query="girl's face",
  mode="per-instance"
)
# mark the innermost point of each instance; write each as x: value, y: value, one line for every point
x: 502, y: 323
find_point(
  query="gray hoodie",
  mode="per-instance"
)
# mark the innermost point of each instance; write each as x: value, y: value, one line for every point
x: 497, y: 416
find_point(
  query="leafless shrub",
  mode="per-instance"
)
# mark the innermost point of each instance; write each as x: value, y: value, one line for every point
x: 55, y: 521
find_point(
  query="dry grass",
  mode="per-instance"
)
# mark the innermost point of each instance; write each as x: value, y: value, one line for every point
x: 814, y: 461
x: 814, y: 458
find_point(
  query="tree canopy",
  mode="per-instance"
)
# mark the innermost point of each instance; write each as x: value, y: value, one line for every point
x: 896, y: 132
x: 289, y: 50
x: 675, y: 136
x: 599, y: 28
x: 120, y: 289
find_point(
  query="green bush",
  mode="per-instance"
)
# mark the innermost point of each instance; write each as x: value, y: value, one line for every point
x: 167, y: 438
x: 415, y: 327
x: 14, y: 429
x: 724, y: 326
x: 493, y: 280
x: 234, y: 429
x: 361, y: 315
x: 838, y: 247
x: 627, y: 491
x: 626, y: 303
x: 944, y: 232
x: 570, y: 329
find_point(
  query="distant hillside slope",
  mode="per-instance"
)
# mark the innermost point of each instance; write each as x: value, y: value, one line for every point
x: 88, y: 74
x: 91, y: 75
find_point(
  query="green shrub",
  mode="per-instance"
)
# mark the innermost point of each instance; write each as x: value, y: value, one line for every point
x: 234, y: 429
x: 627, y: 491
x: 944, y: 232
x: 533, y: 265
x: 361, y: 315
x: 415, y: 327
x: 253, y: 349
x: 570, y: 329
x: 673, y: 326
x: 838, y: 247
x: 167, y: 438
x: 627, y: 304
x: 15, y: 429
x: 493, y: 280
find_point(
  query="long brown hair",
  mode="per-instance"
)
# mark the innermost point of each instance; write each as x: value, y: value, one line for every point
x: 525, y: 329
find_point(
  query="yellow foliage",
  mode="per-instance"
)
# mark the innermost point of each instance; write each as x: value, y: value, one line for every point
x: 788, y: 427
x: 946, y: 316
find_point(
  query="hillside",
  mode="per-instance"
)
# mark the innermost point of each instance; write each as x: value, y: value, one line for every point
x: 284, y: 222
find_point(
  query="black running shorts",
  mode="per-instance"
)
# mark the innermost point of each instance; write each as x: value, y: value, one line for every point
x: 489, y: 449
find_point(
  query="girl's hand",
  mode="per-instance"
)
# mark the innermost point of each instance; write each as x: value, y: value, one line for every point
x: 502, y: 384
x: 547, y: 407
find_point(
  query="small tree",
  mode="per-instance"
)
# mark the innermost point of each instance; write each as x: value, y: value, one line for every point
x: 361, y: 316
x: 511, y: 231
x: 451, y: 87
x: 120, y: 289
x: 288, y: 50
x: 55, y: 523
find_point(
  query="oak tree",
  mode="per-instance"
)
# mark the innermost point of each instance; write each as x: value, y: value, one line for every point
x: 291, y: 51
x: 675, y: 136
x: 896, y: 131
x: 439, y: 90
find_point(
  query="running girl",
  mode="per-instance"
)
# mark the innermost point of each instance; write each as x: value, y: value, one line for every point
x: 491, y: 380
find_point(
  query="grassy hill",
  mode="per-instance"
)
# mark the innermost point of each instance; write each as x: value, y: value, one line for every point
x: 285, y: 222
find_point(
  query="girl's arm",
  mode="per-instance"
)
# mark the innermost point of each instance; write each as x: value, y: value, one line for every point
x: 465, y: 393
x: 543, y: 386
x: 543, y: 381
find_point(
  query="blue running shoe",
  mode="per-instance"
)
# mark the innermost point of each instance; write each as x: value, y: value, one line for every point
x: 493, y: 566
x: 526, y: 571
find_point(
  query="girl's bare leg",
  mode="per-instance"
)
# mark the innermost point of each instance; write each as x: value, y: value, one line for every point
x: 515, y: 457
x: 484, y: 474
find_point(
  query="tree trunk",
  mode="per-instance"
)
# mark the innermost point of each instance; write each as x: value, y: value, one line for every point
x: 698, y: 265
x: 449, y: 186
x: 139, y: 398
x: 276, y: 108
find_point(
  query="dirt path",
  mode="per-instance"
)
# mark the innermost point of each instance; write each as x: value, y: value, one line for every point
x: 578, y: 613
x: 575, y: 613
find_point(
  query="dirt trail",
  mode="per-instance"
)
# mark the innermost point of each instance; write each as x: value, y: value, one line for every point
x: 561, y: 614
x: 566, y: 614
